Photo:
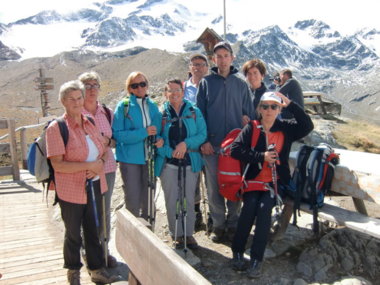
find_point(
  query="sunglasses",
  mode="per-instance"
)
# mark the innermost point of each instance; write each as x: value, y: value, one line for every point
x: 266, y: 107
x: 91, y: 86
x: 142, y: 84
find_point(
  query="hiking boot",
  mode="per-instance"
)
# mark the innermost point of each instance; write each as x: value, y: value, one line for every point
x: 73, y: 277
x: 217, y: 235
x: 191, y: 242
x: 198, y: 221
x: 111, y: 261
x: 255, y: 269
x: 102, y: 276
x: 231, y: 234
x: 238, y: 261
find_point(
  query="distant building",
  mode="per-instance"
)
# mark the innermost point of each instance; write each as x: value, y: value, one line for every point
x: 209, y: 38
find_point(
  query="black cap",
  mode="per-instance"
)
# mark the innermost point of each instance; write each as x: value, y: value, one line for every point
x: 224, y: 45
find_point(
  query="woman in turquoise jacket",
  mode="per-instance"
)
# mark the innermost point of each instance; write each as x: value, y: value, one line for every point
x: 136, y: 123
x: 179, y: 162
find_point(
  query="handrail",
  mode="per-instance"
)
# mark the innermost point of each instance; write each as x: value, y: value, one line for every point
x: 23, y: 128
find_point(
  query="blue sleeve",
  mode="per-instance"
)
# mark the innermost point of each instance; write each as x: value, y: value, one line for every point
x: 122, y: 127
x: 194, y: 142
x: 156, y: 119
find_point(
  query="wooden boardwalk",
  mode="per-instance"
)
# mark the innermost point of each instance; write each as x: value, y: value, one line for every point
x: 30, y: 243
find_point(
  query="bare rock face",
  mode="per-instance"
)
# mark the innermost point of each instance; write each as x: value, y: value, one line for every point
x: 341, y: 250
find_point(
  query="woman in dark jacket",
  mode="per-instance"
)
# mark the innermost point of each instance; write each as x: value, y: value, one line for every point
x: 258, y: 197
x: 254, y: 71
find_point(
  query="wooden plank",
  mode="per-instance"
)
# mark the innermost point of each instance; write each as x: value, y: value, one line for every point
x: 6, y: 170
x: 350, y: 219
x: 151, y: 260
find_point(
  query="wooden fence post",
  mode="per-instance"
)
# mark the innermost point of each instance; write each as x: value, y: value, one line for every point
x: 13, y: 147
x: 23, y: 146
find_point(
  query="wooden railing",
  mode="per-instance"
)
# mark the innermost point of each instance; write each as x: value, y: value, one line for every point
x: 23, y: 141
x: 10, y: 147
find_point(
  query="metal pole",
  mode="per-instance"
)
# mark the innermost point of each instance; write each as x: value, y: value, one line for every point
x: 224, y: 17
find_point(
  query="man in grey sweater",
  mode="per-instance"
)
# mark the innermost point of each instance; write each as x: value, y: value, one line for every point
x: 226, y: 103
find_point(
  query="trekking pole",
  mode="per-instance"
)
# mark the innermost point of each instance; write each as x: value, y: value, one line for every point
x: 275, y: 186
x: 177, y: 210
x: 151, y: 182
x: 184, y: 206
x: 203, y: 197
x: 105, y: 233
x: 93, y: 200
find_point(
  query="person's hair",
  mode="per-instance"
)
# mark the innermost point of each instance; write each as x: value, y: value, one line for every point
x: 254, y: 63
x: 132, y: 76
x: 90, y: 75
x: 287, y: 72
x: 175, y: 81
x: 70, y: 86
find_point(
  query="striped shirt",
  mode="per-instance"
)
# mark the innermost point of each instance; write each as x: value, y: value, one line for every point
x: 71, y: 187
x: 105, y: 128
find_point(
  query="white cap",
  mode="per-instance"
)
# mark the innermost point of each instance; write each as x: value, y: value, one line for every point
x: 270, y: 96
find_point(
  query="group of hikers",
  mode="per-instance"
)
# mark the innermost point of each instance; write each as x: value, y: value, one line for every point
x: 175, y: 143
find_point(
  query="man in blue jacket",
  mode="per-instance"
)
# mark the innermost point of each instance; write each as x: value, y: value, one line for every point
x: 226, y: 103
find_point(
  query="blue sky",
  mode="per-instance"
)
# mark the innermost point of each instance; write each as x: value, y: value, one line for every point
x: 344, y: 16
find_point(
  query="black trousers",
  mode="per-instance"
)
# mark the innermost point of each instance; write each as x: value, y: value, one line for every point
x: 256, y: 205
x: 74, y: 217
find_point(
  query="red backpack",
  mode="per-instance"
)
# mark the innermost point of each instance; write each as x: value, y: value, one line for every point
x: 230, y: 175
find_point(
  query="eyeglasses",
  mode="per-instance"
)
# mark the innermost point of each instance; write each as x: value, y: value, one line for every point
x: 142, y: 84
x: 91, y: 86
x: 198, y: 64
x: 266, y: 107
x: 174, y: 90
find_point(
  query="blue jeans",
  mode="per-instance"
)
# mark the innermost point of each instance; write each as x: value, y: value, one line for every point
x: 256, y: 205
x: 217, y: 204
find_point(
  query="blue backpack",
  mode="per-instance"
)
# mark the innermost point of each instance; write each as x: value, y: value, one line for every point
x: 312, y: 178
x: 38, y: 163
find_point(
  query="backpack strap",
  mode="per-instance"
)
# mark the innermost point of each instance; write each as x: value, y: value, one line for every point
x: 165, y: 117
x: 108, y: 113
x: 126, y: 104
x: 64, y: 130
x: 256, y: 130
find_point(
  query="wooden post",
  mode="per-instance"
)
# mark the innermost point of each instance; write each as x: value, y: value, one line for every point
x: 13, y: 146
x: 23, y: 147
x: 360, y: 206
x: 44, y: 84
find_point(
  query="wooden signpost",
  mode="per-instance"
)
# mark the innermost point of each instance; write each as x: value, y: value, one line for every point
x: 44, y: 84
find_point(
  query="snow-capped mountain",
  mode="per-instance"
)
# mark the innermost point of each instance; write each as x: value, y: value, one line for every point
x: 168, y: 24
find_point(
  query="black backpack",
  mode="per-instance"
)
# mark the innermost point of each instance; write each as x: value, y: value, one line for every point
x: 312, y: 178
